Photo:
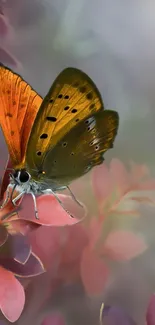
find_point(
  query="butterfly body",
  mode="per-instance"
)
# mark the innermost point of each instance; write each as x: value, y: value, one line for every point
x: 53, y: 141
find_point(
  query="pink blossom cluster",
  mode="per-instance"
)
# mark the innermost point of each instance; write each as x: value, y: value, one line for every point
x: 71, y: 251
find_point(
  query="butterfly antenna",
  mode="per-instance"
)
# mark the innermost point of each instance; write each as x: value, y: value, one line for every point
x: 74, y: 197
x: 35, y: 205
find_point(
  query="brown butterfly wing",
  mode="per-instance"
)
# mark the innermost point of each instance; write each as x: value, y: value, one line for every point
x: 81, y: 149
x: 19, y: 104
x: 72, y: 98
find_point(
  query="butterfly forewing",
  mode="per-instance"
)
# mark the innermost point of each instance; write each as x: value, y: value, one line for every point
x: 72, y: 98
x: 19, y: 104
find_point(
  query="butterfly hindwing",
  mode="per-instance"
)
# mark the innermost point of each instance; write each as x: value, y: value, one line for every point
x: 82, y: 148
x: 72, y: 98
x: 19, y: 104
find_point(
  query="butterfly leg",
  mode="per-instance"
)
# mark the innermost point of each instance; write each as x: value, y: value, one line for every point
x: 74, y: 197
x: 35, y: 205
x: 7, y: 197
x: 49, y: 191
x: 34, y: 200
x: 17, y: 198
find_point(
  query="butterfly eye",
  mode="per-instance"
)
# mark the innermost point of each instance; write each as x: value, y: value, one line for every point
x: 24, y: 176
x: 38, y: 153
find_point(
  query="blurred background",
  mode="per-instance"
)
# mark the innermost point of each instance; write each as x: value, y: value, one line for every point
x: 113, y: 41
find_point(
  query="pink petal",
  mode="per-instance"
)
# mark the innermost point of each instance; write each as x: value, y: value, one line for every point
x: 123, y: 245
x: 147, y: 185
x: 120, y: 176
x: 95, y: 231
x: 94, y: 272
x: 72, y: 252
x: 7, y: 58
x: 22, y: 226
x: 21, y: 248
x: 12, y: 297
x: 102, y: 182
x: 138, y: 172
x: 3, y: 235
x: 50, y: 211
x: 150, y: 316
x: 49, y: 253
x: 16, y: 247
x: 32, y: 267
x: 54, y: 319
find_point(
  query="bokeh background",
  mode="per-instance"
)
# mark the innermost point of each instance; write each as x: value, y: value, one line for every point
x: 114, y: 42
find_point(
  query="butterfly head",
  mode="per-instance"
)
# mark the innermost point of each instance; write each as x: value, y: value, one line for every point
x: 20, y: 176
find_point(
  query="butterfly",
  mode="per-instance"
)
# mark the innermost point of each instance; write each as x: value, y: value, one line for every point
x: 53, y: 141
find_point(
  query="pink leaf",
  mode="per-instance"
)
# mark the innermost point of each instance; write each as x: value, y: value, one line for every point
x: 123, y: 245
x: 12, y: 297
x: 94, y: 272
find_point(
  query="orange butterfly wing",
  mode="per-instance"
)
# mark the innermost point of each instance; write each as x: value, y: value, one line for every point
x: 19, y: 104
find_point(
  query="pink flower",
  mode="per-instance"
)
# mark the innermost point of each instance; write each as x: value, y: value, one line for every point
x: 16, y: 260
x: 16, y: 256
x: 119, y: 195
